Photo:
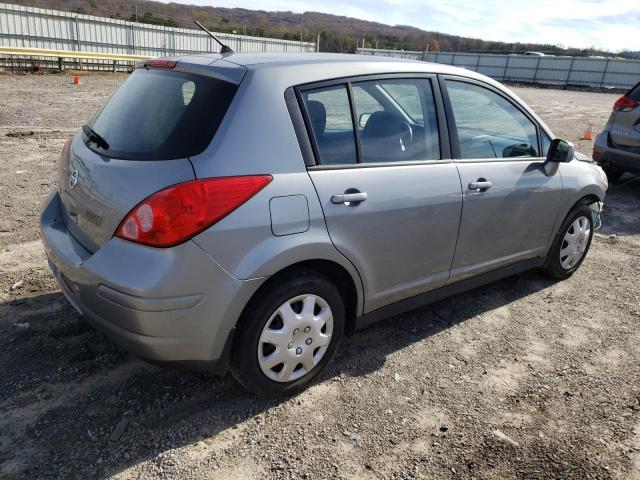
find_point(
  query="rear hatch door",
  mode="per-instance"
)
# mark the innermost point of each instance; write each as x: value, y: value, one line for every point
x: 97, y: 192
x: 139, y: 143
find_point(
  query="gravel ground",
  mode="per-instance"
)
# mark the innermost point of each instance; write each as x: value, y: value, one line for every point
x: 525, y: 378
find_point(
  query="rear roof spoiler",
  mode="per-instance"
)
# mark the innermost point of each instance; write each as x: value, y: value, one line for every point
x: 210, y: 65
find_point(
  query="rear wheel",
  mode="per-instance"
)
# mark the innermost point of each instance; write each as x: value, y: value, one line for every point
x: 288, y: 334
x: 571, y: 244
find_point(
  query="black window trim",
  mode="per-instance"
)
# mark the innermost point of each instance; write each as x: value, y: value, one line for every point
x: 309, y: 140
x: 455, y: 142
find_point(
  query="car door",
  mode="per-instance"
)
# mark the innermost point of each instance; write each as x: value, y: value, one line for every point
x: 390, y: 195
x: 509, y: 204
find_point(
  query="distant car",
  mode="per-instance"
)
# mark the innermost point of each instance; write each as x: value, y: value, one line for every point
x: 246, y: 210
x: 534, y: 54
x: 617, y: 147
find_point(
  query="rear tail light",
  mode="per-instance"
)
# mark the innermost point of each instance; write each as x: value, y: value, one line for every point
x: 624, y: 104
x: 177, y: 213
x: 596, y: 155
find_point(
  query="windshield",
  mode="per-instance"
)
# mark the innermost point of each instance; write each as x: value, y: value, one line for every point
x: 161, y: 115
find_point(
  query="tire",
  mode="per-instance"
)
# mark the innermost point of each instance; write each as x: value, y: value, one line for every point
x: 560, y: 266
x: 613, y: 173
x: 305, y: 336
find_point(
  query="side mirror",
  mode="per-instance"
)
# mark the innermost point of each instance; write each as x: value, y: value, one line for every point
x: 363, y: 119
x: 560, y: 151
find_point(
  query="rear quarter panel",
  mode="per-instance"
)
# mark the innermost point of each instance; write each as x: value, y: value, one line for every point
x: 257, y: 137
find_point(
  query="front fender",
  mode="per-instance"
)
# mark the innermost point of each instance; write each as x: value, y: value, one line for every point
x: 579, y: 180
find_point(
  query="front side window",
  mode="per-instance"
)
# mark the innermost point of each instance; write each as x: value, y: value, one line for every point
x: 488, y: 125
x: 329, y: 115
x: 396, y: 120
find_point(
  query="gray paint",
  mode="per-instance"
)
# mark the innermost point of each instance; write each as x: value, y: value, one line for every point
x: 410, y: 213
x: 181, y: 303
x: 289, y: 215
x: 108, y: 189
x: 509, y: 222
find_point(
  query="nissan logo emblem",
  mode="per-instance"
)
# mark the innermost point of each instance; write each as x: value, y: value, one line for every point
x: 73, y: 179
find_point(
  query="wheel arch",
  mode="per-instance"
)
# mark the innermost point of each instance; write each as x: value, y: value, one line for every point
x: 349, y: 287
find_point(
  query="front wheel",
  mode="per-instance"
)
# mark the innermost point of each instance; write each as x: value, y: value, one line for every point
x: 571, y: 244
x: 288, y: 334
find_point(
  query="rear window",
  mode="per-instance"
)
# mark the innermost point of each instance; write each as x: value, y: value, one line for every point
x: 162, y: 115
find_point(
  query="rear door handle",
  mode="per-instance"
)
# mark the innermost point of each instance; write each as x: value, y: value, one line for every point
x: 480, y: 184
x: 348, y: 198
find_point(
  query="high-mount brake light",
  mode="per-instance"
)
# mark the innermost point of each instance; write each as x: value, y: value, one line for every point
x: 177, y: 213
x: 166, y: 64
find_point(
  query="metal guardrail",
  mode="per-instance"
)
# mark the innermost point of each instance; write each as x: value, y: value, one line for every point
x: 46, y: 52
x: 551, y: 70
x: 36, y: 59
x: 42, y: 28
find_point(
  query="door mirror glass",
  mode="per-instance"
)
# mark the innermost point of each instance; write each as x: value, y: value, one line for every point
x: 362, y: 119
x: 560, y: 151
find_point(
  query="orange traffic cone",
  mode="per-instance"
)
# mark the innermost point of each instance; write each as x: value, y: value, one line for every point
x: 588, y: 133
x: 76, y: 80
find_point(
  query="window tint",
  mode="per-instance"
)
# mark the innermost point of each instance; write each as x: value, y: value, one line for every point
x: 405, y: 128
x: 406, y: 94
x: 162, y: 115
x: 365, y: 100
x: 329, y: 114
x: 488, y: 125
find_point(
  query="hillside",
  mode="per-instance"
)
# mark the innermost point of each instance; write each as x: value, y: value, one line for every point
x: 337, y: 33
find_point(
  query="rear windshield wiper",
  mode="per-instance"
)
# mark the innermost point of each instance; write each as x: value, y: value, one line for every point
x: 95, y: 137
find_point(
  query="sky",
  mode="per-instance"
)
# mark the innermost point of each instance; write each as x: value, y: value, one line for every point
x: 606, y: 24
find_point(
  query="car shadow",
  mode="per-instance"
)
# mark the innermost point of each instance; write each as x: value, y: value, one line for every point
x: 75, y: 401
x: 622, y: 207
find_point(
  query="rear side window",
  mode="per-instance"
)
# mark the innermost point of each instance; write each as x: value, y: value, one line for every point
x: 162, y: 115
x: 404, y: 128
x: 329, y: 114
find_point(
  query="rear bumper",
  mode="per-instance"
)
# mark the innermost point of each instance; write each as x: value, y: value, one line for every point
x: 610, y: 155
x: 164, y: 305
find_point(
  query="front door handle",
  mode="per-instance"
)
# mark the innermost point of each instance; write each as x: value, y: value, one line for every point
x: 349, y: 198
x: 481, y: 184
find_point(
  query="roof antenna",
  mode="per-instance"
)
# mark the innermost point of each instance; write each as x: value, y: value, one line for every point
x: 223, y: 48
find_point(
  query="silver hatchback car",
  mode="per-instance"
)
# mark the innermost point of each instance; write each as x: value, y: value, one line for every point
x: 617, y: 147
x: 244, y: 211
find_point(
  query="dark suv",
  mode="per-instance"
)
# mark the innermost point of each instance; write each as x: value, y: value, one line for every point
x: 617, y: 147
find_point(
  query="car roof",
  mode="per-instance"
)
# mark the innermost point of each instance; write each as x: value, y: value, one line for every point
x: 254, y: 61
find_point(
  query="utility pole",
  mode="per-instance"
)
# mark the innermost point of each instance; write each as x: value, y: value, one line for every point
x: 301, y: 25
x: 136, y: 14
